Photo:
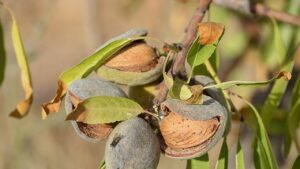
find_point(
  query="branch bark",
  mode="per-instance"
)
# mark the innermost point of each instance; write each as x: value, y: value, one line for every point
x: 258, y: 9
x: 191, y: 32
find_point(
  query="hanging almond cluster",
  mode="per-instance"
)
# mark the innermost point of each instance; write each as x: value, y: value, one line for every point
x: 118, y: 105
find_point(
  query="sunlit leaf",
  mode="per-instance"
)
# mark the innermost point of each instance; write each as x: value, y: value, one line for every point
x: 197, y: 95
x: 204, y: 48
x: 199, y: 162
x: 105, y: 109
x: 198, y: 54
x: 83, y: 69
x: 180, y: 90
x: 2, y: 55
x: 210, y: 32
x: 225, y: 85
x: 24, y: 105
x: 222, y: 162
x: 239, y: 156
x: 296, y: 163
x: 177, y: 89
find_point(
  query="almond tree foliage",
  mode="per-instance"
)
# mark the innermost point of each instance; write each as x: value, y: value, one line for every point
x: 175, y: 95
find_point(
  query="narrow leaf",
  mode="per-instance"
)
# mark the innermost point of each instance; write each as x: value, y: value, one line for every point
x: 225, y: 85
x: 102, y: 165
x: 2, y: 55
x: 278, y: 43
x: 105, y: 109
x: 277, y: 91
x: 199, y: 162
x: 168, y: 80
x: 83, y: 69
x: 222, y: 162
x: 296, y: 163
x: 262, y: 145
x: 239, y: 156
x: 293, y: 119
x: 23, y: 106
x: 293, y: 123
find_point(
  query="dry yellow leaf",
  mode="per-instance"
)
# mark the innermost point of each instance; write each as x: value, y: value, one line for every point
x: 23, y: 106
x: 210, y: 32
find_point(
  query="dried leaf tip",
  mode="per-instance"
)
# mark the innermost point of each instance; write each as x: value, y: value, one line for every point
x: 210, y: 32
x: 284, y: 75
x: 54, y: 104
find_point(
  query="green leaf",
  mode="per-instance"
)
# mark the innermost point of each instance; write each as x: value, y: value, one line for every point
x: 105, y: 109
x: 274, y: 51
x: 177, y: 89
x: 228, y: 84
x: 83, y: 69
x: 102, y: 164
x: 296, y: 163
x: 263, y: 153
x: 239, y: 156
x: 199, y: 162
x: 278, y: 43
x: 273, y: 100
x: 296, y: 92
x: 293, y: 119
x: 168, y: 80
x: 2, y: 55
x: 198, y: 54
x: 24, y: 105
x: 293, y: 123
x: 180, y: 90
x: 222, y: 162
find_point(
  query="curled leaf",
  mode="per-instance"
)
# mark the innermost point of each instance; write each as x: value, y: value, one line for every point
x: 210, y: 32
x: 225, y: 85
x: 23, y: 106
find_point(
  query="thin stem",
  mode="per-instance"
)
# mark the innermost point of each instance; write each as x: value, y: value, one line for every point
x: 191, y: 32
x: 152, y: 114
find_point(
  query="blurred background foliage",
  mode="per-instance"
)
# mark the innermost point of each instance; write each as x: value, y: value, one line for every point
x: 58, y: 34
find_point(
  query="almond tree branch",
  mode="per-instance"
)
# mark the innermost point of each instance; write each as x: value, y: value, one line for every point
x: 258, y: 9
x: 191, y: 33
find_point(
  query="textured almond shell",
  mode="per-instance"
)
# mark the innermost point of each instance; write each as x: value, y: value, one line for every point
x: 181, y: 132
x: 210, y: 111
x: 131, y: 78
x: 136, y: 57
x: 83, y: 89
